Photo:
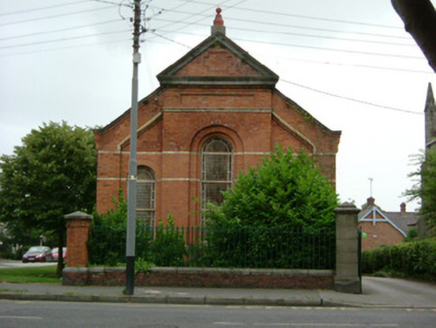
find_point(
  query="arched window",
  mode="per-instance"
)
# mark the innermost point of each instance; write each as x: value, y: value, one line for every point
x: 146, y: 195
x: 216, y: 170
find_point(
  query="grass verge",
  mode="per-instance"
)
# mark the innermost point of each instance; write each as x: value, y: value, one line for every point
x: 28, y: 275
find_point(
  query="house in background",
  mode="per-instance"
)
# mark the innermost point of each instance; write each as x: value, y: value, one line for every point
x: 216, y: 111
x: 384, y: 228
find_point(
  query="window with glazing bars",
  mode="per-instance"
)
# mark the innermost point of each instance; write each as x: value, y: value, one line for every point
x: 146, y: 195
x: 216, y: 170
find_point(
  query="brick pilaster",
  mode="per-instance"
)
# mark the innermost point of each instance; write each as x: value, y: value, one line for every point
x: 78, y: 226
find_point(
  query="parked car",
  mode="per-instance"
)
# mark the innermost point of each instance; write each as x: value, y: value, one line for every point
x: 38, y: 254
x: 55, y: 252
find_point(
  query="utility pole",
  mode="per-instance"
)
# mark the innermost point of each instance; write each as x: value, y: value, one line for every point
x: 132, y: 178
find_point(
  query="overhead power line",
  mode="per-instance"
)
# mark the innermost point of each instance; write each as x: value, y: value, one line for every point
x: 56, y: 16
x: 171, y: 40
x: 364, y: 102
x: 334, y: 49
x: 328, y: 63
x: 42, y: 8
x: 306, y: 16
x: 199, y: 13
x: 270, y: 23
x: 312, y: 47
x: 160, y: 33
x: 274, y: 23
x: 59, y: 30
x: 120, y: 3
x: 321, y: 18
x: 64, y: 48
x: 326, y: 37
x: 318, y: 29
x: 304, y: 35
x: 62, y: 5
x: 394, y: 69
x: 63, y: 39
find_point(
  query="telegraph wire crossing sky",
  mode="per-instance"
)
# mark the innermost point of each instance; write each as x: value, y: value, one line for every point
x: 352, y: 69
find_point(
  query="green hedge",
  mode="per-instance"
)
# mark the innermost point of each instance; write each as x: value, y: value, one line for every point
x: 161, y: 245
x: 415, y: 259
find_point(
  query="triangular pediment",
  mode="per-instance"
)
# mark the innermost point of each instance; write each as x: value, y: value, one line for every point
x: 218, y: 61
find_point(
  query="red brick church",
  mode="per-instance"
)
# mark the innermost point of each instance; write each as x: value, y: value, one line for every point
x: 216, y: 111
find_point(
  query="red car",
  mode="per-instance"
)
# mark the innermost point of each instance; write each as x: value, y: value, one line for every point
x: 55, y: 253
x: 38, y: 254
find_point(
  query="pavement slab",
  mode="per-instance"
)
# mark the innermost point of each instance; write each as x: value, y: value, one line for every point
x: 377, y: 292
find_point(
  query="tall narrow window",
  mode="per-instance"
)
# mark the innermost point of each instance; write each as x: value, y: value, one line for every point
x: 216, y: 170
x: 146, y: 195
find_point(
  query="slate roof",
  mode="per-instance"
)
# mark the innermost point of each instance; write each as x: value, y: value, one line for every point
x: 404, y: 221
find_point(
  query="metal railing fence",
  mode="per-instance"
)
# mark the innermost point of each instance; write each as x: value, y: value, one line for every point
x: 224, y: 247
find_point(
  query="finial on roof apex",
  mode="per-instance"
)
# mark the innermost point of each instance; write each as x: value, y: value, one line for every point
x: 218, y: 18
x: 218, y: 23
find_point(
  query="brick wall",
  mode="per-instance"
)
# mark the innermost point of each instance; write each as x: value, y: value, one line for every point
x: 202, y: 277
x: 171, y: 146
x: 383, y: 233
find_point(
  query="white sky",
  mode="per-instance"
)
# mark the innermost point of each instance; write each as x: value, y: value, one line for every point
x: 71, y: 60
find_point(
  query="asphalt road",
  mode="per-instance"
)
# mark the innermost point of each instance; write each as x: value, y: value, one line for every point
x: 63, y: 314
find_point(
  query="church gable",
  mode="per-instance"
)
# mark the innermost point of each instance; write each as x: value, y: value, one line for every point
x: 217, y: 61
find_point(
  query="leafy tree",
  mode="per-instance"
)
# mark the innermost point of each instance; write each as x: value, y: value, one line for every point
x: 424, y: 189
x: 270, y: 212
x: 52, y: 174
x: 412, y: 234
x: 286, y: 190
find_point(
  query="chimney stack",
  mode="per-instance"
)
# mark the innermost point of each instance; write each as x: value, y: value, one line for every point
x: 218, y: 23
x: 370, y: 201
x: 403, y: 208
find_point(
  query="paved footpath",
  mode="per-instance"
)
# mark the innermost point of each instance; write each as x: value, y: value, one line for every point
x: 377, y: 292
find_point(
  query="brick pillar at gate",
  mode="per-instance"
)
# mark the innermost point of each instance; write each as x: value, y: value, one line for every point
x: 78, y: 225
x: 347, y: 260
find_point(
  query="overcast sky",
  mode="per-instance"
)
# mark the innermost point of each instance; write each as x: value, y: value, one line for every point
x: 347, y: 62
